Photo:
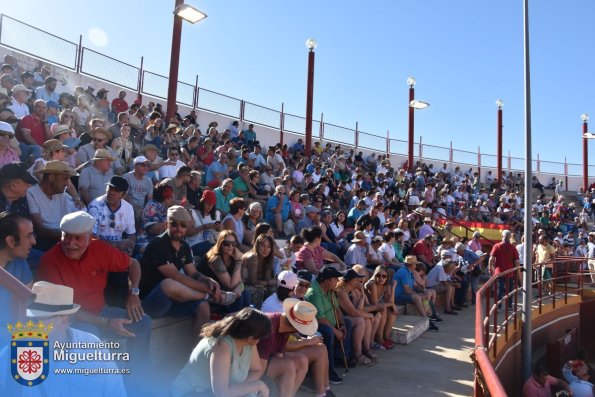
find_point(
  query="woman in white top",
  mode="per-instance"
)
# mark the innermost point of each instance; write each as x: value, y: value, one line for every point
x: 233, y: 221
x: 387, y: 250
x: 202, y: 234
x: 338, y: 225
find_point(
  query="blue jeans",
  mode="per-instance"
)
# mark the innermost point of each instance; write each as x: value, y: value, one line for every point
x: 29, y: 150
x: 157, y: 304
x: 502, y: 289
x: 334, y: 350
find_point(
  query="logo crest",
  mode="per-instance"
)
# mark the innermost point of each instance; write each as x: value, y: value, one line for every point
x: 29, y: 352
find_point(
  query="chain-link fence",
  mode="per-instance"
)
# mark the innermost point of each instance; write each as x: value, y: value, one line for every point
x: 38, y: 43
x: 218, y: 103
x: 261, y: 115
x: 339, y: 134
x: 431, y: 152
x: 157, y: 85
x: 371, y: 141
x: 109, y: 69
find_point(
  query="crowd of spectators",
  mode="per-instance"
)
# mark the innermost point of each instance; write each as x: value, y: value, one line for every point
x: 178, y: 221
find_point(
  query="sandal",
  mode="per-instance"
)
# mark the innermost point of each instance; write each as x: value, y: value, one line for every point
x: 370, y: 355
x: 365, y: 361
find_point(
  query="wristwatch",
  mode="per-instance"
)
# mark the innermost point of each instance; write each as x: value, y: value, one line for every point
x: 134, y: 291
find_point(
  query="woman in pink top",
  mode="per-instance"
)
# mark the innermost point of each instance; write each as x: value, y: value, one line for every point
x: 312, y: 256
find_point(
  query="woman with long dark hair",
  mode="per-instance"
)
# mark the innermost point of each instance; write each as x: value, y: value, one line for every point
x: 225, y: 363
x: 223, y: 263
x: 258, y: 273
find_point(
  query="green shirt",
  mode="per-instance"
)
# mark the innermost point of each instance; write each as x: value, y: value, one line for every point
x: 223, y: 201
x: 322, y: 301
x: 240, y: 186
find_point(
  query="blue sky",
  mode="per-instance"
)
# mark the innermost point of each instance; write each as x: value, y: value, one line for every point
x: 464, y: 54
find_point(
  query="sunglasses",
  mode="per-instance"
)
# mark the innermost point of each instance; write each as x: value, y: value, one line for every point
x: 112, y: 218
x: 381, y: 276
x: 97, y: 140
x: 303, y: 285
x: 5, y: 135
x: 178, y: 223
x: 229, y: 243
x: 174, y: 154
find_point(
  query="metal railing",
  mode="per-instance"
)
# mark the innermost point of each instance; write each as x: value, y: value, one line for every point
x: 37, y: 43
x: 496, y: 315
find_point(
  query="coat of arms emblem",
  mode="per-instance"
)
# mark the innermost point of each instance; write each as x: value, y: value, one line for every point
x: 29, y: 352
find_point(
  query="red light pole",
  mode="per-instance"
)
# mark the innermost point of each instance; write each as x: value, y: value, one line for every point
x: 585, y: 118
x: 499, y: 105
x: 411, y: 84
x: 311, y: 44
x: 181, y: 12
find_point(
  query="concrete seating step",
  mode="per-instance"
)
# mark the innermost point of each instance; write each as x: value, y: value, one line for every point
x: 407, y: 328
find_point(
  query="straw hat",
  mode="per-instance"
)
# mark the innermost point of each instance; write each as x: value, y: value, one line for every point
x: 62, y: 129
x: 358, y: 236
x: 301, y: 315
x: 103, y: 154
x: 52, y: 300
x: 411, y: 260
x: 58, y: 167
x: 53, y: 145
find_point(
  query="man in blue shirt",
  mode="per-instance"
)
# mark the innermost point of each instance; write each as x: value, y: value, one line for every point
x: 405, y: 293
x: 276, y: 212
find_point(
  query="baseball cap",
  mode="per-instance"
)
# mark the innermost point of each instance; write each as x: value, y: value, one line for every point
x: 17, y: 171
x: 140, y: 160
x: 287, y: 279
x: 118, y: 183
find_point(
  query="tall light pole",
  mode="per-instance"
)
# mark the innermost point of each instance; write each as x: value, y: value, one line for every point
x: 499, y: 105
x: 181, y: 12
x: 585, y: 118
x: 311, y: 45
x: 413, y: 106
x: 526, y: 317
x: 411, y: 138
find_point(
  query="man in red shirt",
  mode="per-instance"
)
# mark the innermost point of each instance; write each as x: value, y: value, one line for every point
x: 119, y: 104
x: 33, y: 131
x: 424, y: 251
x: 504, y: 256
x: 83, y: 263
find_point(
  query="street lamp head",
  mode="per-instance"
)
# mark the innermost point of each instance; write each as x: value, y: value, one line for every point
x: 311, y: 44
x: 585, y: 117
x: 415, y: 104
x: 189, y: 13
x: 411, y: 82
x: 499, y: 103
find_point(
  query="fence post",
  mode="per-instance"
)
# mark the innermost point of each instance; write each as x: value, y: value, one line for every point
x: 79, y: 57
x: 478, y: 161
x: 538, y: 164
x: 387, y: 144
x: 356, y: 135
x: 509, y: 163
x: 281, y: 121
x: 565, y: 173
x: 450, y: 154
x: 420, y: 150
x: 139, y: 84
x: 242, y: 104
x: 195, y: 94
x: 321, y: 131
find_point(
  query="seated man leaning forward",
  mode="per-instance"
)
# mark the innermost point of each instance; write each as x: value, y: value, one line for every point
x: 82, y: 263
x: 164, y: 289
